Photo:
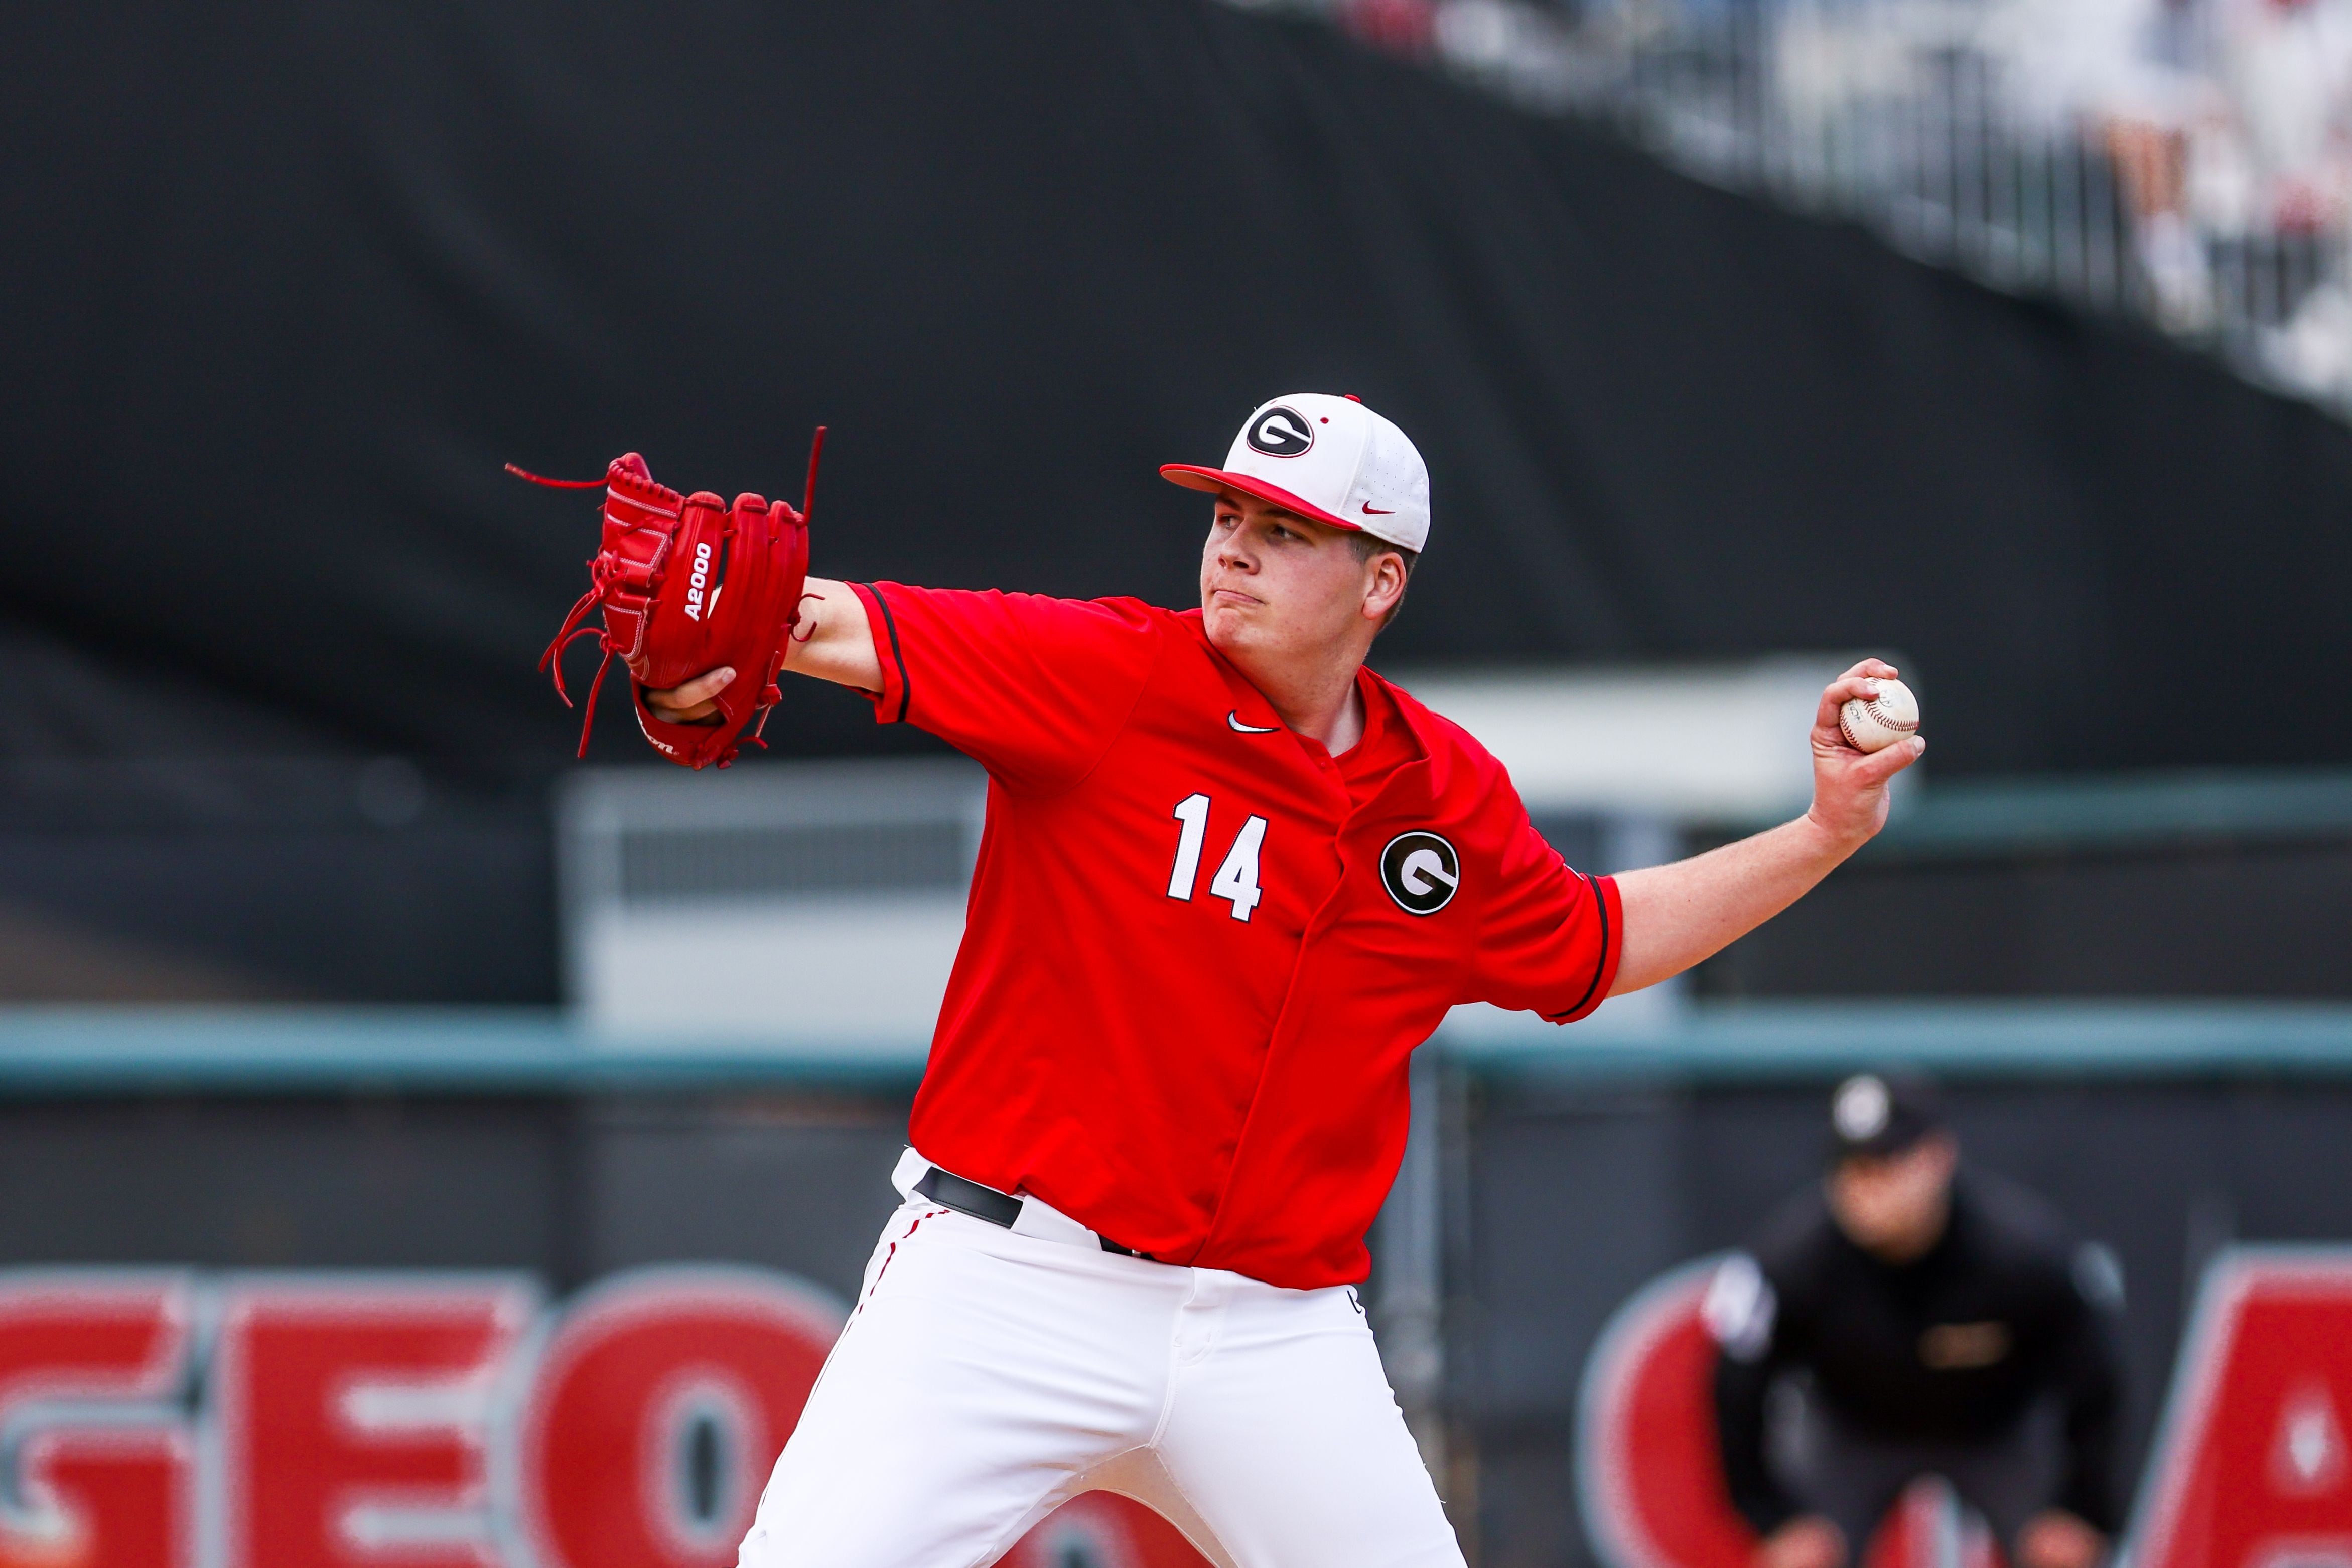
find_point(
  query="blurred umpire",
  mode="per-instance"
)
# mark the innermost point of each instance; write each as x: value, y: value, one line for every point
x: 1912, y: 1319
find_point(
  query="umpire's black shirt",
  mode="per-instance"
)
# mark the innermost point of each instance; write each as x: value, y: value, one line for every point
x: 1954, y: 1345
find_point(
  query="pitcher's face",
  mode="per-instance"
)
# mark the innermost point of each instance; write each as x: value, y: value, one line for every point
x: 1277, y: 586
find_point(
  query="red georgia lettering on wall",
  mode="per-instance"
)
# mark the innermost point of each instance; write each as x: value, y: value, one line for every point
x: 2250, y: 1467
x: 658, y: 1410
x: 386, y: 1420
x: 89, y: 1363
x: 1649, y: 1471
x: 355, y: 1413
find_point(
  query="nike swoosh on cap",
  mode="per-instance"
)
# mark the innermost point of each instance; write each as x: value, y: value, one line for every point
x: 1235, y: 718
x: 1372, y: 511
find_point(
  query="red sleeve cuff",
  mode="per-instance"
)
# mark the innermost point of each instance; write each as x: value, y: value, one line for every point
x: 1611, y: 912
x: 890, y: 702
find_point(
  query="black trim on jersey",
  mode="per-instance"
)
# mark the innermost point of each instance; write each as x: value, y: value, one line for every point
x: 905, y: 685
x: 1600, y: 903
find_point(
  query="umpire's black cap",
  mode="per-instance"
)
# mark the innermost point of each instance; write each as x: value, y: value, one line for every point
x: 1879, y: 1115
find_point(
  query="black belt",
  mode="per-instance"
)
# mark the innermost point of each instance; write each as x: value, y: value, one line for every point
x: 949, y: 1190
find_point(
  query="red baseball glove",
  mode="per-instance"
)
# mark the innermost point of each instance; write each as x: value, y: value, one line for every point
x: 687, y: 584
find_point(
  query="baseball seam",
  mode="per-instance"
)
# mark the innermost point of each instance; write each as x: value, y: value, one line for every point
x: 1879, y: 715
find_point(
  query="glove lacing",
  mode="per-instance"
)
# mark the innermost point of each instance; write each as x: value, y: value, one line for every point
x: 604, y: 570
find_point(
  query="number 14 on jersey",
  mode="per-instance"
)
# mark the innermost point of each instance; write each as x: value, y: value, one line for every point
x: 1236, y: 879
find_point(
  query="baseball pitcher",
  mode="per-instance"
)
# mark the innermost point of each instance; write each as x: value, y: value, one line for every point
x: 1230, y: 879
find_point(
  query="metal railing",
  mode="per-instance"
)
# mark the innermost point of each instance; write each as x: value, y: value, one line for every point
x: 2108, y: 167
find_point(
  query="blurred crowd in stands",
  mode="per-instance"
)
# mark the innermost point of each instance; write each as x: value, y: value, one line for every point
x: 2188, y: 159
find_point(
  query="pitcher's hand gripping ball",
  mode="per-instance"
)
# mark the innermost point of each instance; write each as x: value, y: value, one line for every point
x: 688, y: 583
x: 1878, y: 722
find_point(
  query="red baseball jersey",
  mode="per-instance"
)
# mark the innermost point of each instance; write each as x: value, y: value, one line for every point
x: 1198, y: 949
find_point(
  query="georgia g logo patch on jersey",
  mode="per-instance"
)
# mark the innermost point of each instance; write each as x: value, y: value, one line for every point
x: 1420, y: 872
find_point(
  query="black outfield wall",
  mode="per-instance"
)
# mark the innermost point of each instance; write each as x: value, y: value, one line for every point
x: 286, y: 284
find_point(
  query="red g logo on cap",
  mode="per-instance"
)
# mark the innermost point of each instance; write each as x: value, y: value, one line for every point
x: 1281, y: 433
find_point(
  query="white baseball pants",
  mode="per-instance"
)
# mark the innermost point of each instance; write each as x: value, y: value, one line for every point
x: 987, y: 1377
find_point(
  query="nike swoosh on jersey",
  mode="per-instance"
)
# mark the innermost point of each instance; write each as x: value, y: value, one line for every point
x: 1372, y: 511
x: 1235, y: 718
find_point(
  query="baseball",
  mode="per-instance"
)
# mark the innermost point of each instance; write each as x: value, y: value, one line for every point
x: 1879, y: 723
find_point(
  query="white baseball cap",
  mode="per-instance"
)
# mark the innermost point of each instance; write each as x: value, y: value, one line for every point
x: 1328, y: 458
